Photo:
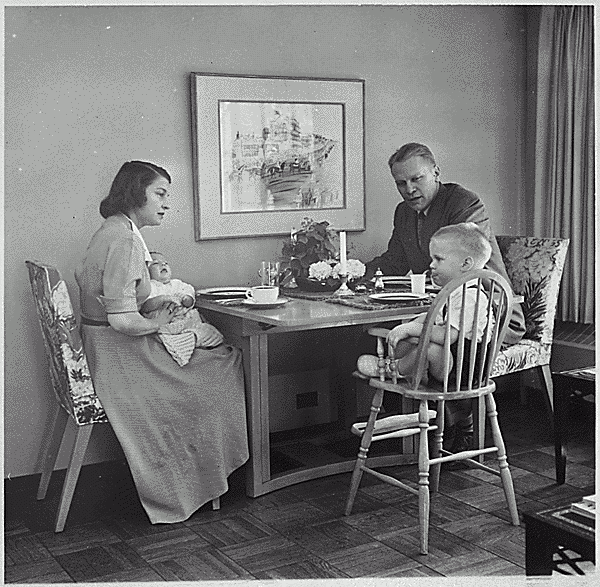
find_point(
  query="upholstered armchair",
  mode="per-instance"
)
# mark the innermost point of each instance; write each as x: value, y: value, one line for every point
x: 534, y: 267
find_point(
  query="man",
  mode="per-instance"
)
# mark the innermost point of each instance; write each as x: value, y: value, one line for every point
x: 429, y: 205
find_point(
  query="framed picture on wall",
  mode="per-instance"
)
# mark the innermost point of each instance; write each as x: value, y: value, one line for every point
x: 268, y: 151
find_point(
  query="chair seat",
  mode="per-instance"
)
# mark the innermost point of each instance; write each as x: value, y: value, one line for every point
x: 526, y: 354
x: 432, y: 391
x: 392, y: 423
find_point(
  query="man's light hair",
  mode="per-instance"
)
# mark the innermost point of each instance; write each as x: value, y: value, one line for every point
x: 470, y: 239
x: 411, y: 150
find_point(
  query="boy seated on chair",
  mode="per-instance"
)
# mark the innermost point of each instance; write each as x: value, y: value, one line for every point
x: 455, y: 250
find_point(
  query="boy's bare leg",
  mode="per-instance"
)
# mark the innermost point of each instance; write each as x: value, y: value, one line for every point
x: 406, y: 355
x: 435, y: 355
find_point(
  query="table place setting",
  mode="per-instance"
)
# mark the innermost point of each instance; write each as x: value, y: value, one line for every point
x: 259, y: 297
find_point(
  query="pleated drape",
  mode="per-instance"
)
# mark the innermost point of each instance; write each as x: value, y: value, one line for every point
x: 564, y: 203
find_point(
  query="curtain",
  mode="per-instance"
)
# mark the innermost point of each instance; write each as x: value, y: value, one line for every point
x: 564, y: 150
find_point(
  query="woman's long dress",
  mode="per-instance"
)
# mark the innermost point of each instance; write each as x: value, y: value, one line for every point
x: 182, y: 429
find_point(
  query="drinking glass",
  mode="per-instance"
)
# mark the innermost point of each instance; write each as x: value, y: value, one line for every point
x: 269, y: 273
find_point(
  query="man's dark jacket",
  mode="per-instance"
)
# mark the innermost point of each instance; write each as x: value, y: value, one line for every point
x: 452, y: 204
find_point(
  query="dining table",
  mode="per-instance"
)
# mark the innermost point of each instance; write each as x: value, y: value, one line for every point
x: 252, y: 328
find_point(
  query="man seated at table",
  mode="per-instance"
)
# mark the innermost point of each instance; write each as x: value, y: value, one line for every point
x: 428, y: 204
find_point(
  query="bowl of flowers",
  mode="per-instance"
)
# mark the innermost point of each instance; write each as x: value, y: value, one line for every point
x: 313, y: 253
x: 325, y: 275
x: 313, y: 242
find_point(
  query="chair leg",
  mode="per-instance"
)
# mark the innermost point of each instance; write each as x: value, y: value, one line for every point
x: 216, y: 503
x: 545, y: 376
x: 479, y: 426
x: 505, y: 476
x: 59, y: 425
x: 436, y: 449
x: 365, y: 443
x: 82, y: 439
x: 424, y: 503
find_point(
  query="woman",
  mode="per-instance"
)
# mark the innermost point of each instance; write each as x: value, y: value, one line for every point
x: 182, y: 429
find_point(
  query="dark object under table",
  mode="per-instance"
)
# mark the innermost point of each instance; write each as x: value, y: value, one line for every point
x: 553, y: 531
x: 566, y: 384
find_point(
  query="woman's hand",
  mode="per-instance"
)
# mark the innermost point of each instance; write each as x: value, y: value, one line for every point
x: 162, y: 314
x: 209, y: 336
x: 134, y: 324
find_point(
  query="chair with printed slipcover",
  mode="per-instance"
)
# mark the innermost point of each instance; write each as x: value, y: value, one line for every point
x: 70, y: 377
x: 71, y: 381
x: 534, y: 267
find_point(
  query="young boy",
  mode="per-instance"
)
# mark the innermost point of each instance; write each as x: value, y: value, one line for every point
x: 455, y: 250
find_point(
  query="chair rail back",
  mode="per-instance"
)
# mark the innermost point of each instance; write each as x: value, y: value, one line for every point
x: 493, y: 295
x: 69, y: 371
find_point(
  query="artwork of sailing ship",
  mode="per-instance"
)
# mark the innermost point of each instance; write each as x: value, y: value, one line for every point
x: 277, y: 156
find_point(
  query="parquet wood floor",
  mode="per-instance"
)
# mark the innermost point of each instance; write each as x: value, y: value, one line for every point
x: 300, y: 532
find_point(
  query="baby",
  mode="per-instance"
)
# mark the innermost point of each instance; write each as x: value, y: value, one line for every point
x: 164, y: 288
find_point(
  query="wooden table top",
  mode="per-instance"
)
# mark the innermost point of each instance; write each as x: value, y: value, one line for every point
x: 309, y: 313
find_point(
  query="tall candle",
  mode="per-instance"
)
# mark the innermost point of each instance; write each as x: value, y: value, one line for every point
x: 343, y: 260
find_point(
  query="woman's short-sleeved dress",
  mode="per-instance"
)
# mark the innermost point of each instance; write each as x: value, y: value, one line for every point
x: 182, y: 429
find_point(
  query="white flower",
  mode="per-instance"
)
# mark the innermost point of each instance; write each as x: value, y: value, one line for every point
x: 320, y: 270
x: 354, y: 267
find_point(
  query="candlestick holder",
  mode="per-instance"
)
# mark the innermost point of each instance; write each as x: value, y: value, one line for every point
x: 343, y: 291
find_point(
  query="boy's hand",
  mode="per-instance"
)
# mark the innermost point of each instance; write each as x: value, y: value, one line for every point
x: 397, y: 334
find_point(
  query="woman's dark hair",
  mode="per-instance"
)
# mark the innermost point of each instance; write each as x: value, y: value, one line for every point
x: 412, y: 150
x: 128, y: 189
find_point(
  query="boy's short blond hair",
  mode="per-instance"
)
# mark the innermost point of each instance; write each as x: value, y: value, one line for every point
x: 470, y: 239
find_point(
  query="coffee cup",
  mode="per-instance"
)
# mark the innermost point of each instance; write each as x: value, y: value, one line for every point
x: 263, y: 294
x: 417, y: 283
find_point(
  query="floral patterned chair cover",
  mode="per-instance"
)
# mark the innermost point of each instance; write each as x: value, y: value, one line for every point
x: 68, y: 365
x: 534, y: 267
x: 70, y: 377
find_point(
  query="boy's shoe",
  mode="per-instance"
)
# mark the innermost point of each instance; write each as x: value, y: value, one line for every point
x: 368, y: 365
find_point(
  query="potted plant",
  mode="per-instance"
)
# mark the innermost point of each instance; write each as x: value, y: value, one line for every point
x: 314, y: 258
x: 313, y: 242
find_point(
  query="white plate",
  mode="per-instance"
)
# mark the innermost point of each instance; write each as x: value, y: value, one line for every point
x: 218, y: 293
x: 394, y: 298
x: 395, y: 279
x: 275, y: 304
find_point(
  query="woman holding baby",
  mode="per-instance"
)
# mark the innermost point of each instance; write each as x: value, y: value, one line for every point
x: 182, y: 428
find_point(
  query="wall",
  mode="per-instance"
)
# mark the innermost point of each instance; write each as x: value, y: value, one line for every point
x: 90, y: 87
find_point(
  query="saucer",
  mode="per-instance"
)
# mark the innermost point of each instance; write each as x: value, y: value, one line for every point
x: 278, y: 302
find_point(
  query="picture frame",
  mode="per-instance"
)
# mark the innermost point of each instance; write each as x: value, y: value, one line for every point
x: 269, y: 151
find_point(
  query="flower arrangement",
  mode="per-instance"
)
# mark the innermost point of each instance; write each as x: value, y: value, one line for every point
x: 324, y: 270
x: 312, y: 243
x: 313, y: 252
